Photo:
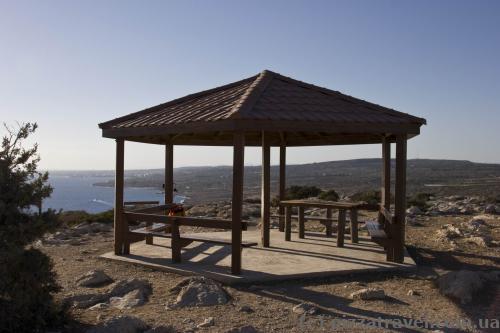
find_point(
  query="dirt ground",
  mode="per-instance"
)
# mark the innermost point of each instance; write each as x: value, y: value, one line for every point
x: 272, y: 304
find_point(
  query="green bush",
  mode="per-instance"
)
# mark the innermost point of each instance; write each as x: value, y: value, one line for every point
x: 330, y: 195
x: 75, y: 217
x: 371, y: 197
x: 302, y: 192
x: 419, y: 200
x: 27, y: 280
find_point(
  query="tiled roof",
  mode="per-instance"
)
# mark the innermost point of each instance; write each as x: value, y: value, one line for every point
x: 267, y: 96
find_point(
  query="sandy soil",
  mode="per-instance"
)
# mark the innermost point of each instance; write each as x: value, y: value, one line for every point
x: 272, y: 304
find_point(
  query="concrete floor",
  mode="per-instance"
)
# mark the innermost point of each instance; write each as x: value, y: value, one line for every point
x: 314, y: 256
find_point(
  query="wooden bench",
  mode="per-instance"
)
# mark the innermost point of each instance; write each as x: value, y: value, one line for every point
x: 171, y: 230
x: 342, y: 207
x: 376, y: 232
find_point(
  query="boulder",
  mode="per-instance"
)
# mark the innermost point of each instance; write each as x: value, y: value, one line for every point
x: 491, y: 209
x: 480, y: 241
x: 130, y: 300
x: 449, y: 231
x: 198, y: 291
x: 368, y: 294
x: 305, y: 308
x: 121, y: 324
x: 461, y: 285
x: 94, y: 278
x: 123, y: 287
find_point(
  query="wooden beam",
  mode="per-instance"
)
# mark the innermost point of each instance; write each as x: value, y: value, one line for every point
x: 386, y: 192
x: 119, y: 221
x: 398, y: 230
x: 265, y: 191
x: 237, y: 201
x: 282, y: 185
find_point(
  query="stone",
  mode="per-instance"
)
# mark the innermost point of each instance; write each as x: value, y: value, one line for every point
x: 123, y: 287
x: 413, y: 210
x: 245, y: 308
x: 162, y: 329
x: 368, y: 294
x: 87, y: 300
x: 305, y: 308
x: 412, y: 292
x: 208, y: 322
x: 491, y: 209
x: 121, y: 324
x: 99, y: 306
x: 243, y: 329
x: 449, y: 231
x: 480, y: 241
x: 94, y: 278
x: 198, y: 291
x: 130, y: 300
x: 461, y: 285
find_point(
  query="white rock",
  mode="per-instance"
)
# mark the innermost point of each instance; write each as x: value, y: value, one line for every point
x: 208, y: 322
x: 479, y: 241
x: 199, y: 291
x: 414, y: 210
x: 307, y: 308
x: 122, y: 324
x: 130, y: 300
x: 94, y: 278
x: 368, y: 294
x: 99, y: 306
x: 162, y: 329
x: 491, y: 209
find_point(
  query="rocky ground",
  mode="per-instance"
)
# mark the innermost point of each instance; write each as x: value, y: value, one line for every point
x: 455, y: 243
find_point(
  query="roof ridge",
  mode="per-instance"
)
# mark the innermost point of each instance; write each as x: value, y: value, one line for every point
x: 174, y: 101
x: 252, y: 94
x: 349, y: 98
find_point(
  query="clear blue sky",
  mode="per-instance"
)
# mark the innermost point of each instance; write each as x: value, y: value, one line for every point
x: 69, y: 65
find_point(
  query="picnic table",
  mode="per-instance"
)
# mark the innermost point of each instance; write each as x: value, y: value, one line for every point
x: 341, y: 206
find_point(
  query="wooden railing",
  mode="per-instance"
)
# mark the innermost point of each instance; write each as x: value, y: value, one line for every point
x: 136, y: 203
x: 181, y: 220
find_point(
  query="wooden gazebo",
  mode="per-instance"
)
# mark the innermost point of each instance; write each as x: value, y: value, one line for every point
x: 265, y: 110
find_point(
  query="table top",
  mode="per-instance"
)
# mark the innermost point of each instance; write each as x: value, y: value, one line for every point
x: 323, y: 204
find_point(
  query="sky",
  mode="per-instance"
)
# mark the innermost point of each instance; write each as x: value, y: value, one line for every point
x: 69, y: 65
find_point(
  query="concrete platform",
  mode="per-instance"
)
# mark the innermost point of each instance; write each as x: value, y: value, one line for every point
x: 314, y: 256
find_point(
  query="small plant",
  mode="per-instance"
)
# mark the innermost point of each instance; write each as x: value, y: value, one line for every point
x: 330, y: 195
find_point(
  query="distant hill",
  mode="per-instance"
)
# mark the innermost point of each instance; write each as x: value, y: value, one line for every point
x: 445, y: 177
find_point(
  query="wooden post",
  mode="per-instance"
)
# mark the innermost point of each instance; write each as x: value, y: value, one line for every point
x: 353, y: 216
x: 119, y: 220
x: 329, y: 222
x: 302, y: 229
x: 341, y: 228
x: 398, y: 231
x: 386, y: 193
x: 176, y: 243
x: 282, y: 188
x: 266, y: 191
x: 169, y: 173
x: 288, y: 223
x: 237, y: 202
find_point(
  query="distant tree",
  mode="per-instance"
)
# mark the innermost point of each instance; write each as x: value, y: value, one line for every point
x: 330, y: 195
x: 371, y: 197
x: 301, y: 192
x: 26, y: 277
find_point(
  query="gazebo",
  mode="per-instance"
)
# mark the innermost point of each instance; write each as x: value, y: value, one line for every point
x: 267, y: 110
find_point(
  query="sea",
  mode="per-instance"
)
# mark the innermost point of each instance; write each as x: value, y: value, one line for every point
x: 75, y: 190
